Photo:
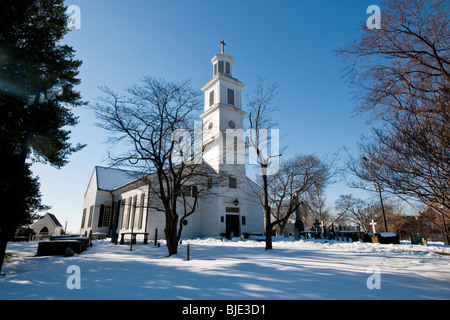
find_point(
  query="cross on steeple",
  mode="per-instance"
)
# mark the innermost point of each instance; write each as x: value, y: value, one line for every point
x: 223, y: 46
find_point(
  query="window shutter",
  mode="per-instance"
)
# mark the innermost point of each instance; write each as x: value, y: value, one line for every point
x: 100, y: 218
x: 230, y: 96
x: 232, y: 183
x: 91, y: 212
x: 211, y: 98
x: 83, y: 220
x: 107, y: 216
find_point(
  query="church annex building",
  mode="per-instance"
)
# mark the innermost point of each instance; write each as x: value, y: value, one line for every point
x: 119, y: 201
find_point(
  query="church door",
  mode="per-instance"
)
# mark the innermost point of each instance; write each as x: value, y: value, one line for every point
x: 232, y: 225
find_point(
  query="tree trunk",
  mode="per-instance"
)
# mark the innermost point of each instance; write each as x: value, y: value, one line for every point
x: 170, y: 232
x: 269, y: 227
x: 3, y: 243
x: 266, y: 207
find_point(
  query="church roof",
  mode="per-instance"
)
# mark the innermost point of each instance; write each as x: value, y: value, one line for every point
x: 52, y: 219
x: 52, y: 216
x: 111, y: 178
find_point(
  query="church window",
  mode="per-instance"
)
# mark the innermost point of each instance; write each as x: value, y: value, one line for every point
x: 126, y: 213
x: 220, y: 66
x: 215, y: 68
x: 231, y: 124
x: 211, y: 126
x: 186, y: 190
x: 230, y: 94
x: 232, y: 183
x: 107, y: 216
x: 227, y: 68
x: 141, y: 212
x: 211, y: 98
x: 209, y: 183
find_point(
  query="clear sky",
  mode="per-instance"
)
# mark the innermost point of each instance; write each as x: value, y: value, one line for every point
x: 289, y: 42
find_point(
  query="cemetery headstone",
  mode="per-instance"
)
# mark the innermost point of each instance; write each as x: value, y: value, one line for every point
x: 419, y: 238
x: 416, y: 238
x: 297, y: 234
x: 373, y: 224
x: 69, y: 252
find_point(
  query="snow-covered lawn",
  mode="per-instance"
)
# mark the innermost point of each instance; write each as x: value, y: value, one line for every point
x: 307, y: 269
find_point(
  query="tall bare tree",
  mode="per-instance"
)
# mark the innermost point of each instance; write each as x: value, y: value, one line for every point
x: 141, y: 124
x: 402, y: 77
x: 260, y: 107
x: 282, y: 183
x: 296, y: 178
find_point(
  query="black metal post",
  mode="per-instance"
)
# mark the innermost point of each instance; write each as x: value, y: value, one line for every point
x: 382, y: 207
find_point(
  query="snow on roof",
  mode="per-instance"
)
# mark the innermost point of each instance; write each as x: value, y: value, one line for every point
x: 111, y: 178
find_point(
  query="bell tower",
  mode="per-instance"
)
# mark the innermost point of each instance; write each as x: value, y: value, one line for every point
x: 222, y: 111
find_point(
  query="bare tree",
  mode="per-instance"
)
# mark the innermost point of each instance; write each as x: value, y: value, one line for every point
x: 360, y: 212
x: 402, y: 77
x: 356, y: 211
x: 260, y: 108
x: 282, y: 184
x: 294, y: 180
x: 141, y: 124
x: 316, y: 203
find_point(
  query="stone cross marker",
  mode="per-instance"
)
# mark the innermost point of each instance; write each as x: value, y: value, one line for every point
x: 373, y: 224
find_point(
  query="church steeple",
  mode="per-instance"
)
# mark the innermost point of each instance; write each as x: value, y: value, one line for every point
x: 223, y: 106
x: 223, y: 88
x: 222, y: 63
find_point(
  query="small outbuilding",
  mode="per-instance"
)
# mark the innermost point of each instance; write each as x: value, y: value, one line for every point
x: 47, y: 226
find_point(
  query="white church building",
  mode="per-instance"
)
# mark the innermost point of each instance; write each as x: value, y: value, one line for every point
x: 119, y: 201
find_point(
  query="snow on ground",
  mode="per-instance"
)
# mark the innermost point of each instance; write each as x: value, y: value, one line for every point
x: 232, y: 270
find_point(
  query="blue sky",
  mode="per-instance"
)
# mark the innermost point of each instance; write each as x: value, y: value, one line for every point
x: 288, y: 42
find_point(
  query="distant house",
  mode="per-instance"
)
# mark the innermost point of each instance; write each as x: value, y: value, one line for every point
x: 47, y: 225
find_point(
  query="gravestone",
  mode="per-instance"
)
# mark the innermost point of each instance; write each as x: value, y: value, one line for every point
x: 416, y: 238
x: 419, y: 238
x: 69, y: 252
x: 296, y: 234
